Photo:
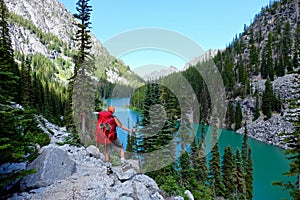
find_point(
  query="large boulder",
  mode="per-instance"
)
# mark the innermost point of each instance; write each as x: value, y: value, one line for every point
x: 94, y: 151
x: 52, y: 165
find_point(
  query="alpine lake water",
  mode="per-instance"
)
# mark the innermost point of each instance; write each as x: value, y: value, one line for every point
x: 269, y: 162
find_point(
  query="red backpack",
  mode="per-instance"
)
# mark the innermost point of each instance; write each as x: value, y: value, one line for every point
x: 105, y: 128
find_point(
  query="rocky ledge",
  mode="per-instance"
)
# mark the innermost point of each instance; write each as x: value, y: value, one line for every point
x: 69, y: 172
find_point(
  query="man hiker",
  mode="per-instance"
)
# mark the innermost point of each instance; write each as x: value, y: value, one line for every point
x: 115, y: 143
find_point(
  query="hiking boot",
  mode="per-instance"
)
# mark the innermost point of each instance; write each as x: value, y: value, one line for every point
x: 126, y: 166
x: 109, y: 171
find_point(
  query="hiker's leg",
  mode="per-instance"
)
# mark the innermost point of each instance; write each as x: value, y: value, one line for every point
x: 119, y: 147
x: 122, y: 153
x: 106, y: 157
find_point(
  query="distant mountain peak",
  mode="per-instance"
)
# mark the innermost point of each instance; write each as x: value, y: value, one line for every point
x: 207, y: 55
x: 151, y: 73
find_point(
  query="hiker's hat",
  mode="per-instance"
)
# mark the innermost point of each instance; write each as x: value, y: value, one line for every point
x: 111, y: 109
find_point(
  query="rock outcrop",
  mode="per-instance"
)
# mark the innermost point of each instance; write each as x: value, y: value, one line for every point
x: 52, y: 165
x: 70, y: 172
x: 268, y: 131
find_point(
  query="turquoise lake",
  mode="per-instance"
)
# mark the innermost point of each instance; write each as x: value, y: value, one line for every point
x: 269, y: 162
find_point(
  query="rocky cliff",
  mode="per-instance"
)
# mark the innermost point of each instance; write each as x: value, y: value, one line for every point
x: 274, y: 20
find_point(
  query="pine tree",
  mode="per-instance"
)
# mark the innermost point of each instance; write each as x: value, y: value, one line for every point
x: 230, y: 115
x: 201, y: 159
x: 267, y: 64
x: 239, y: 176
x: 147, y: 102
x: 215, y: 173
x: 9, y: 72
x: 238, y: 116
x: 264, y: 66
x: 267, y: 99
x: 241, y: 71
x: 26, y: 84
x: 254, y: 55
x: 296, y: 57
x: 186, y: 174
x: 257, y: 108
x: 293, y: 155
x: 269, y: 57
x: 286, y: 47
x: 228, y: 164
x: 249, y: 176
x: 37, y: 94
x: 245, y: 146
x: 80, y: 86
x: 227, y: 73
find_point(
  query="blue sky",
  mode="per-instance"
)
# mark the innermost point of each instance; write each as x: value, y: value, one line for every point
x: 211, y: 24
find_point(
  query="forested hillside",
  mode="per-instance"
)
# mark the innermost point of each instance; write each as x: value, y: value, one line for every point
x: 45, y: 30
x: 260, y: 71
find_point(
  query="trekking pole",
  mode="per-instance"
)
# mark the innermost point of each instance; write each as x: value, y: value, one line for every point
x: 105, y: 150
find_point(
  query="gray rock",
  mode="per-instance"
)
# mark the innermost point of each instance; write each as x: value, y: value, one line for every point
x: 157, y: 196
x: 135, y: 165
x: 287, y: 86
x: 52, y: 165
x: 124, y: 176
x: 94, y: 151
x: 269, y: 131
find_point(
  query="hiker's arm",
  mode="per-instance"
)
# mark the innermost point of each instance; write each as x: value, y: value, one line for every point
x: 122, y: 126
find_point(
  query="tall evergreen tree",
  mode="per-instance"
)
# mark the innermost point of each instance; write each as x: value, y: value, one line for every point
x: 9, y: 72
x: 37, y: 93
x: 269, y: 57
x: 227, y: 73
x: 293, y: 154
x: 286, y: 47
x: 201, y: 159
x: 267, y: 64
x: 230, y: 115
x: 186, y: 174
x: 84, y: 68
x: 216, y: 183
x: 249, y: 176
x: 228, y: 165
x: 26, y: 84
x: 238, y: 116
x: 296, y: 57
x: 239, y: 176
x: 245, y: 146
x: 257, y: 108
x: 267, y: 99
x: 254, y: 55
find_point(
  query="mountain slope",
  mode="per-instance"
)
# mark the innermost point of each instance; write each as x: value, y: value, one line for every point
x: 46, y: 28
x: 267, y: 50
